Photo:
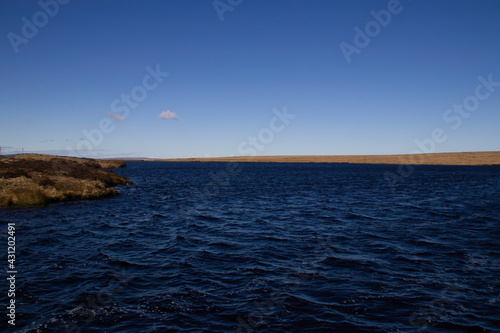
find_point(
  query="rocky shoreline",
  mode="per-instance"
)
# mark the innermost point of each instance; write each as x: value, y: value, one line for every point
x: 37, y: 179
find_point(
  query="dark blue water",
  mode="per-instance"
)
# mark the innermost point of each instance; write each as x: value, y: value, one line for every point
x: 215, y: 247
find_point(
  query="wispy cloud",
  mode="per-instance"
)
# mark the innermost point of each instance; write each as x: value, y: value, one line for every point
x: 116, y: 117
x: 45, y: 141
x: 168, y: 115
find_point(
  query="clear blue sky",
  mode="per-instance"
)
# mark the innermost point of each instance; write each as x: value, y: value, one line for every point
x: 227, y: 76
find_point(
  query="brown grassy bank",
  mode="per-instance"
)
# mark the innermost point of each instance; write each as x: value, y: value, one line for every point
x: 37, y: 180
x: 471, y: 158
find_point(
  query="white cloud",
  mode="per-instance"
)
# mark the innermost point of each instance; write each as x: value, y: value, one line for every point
x: 116, y: 117
x: 168, y: 115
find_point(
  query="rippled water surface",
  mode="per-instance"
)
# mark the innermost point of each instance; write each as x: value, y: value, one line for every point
x: 216, y: 247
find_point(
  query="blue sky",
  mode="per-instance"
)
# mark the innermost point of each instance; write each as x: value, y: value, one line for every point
x: 229, y: 78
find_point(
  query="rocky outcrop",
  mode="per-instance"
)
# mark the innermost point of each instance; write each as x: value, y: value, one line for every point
x: 37, y: 180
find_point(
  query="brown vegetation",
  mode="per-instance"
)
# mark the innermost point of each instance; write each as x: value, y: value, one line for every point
x: 36, y: 179
x: 472, y: 158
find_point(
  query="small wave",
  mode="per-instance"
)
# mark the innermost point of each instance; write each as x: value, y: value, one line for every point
x: 126, y: 264
x: 208, y: 217
x: 354, y: 216
x: 347, y: 262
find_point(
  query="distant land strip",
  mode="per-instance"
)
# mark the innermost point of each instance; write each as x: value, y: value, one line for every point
x: 466, y: 158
